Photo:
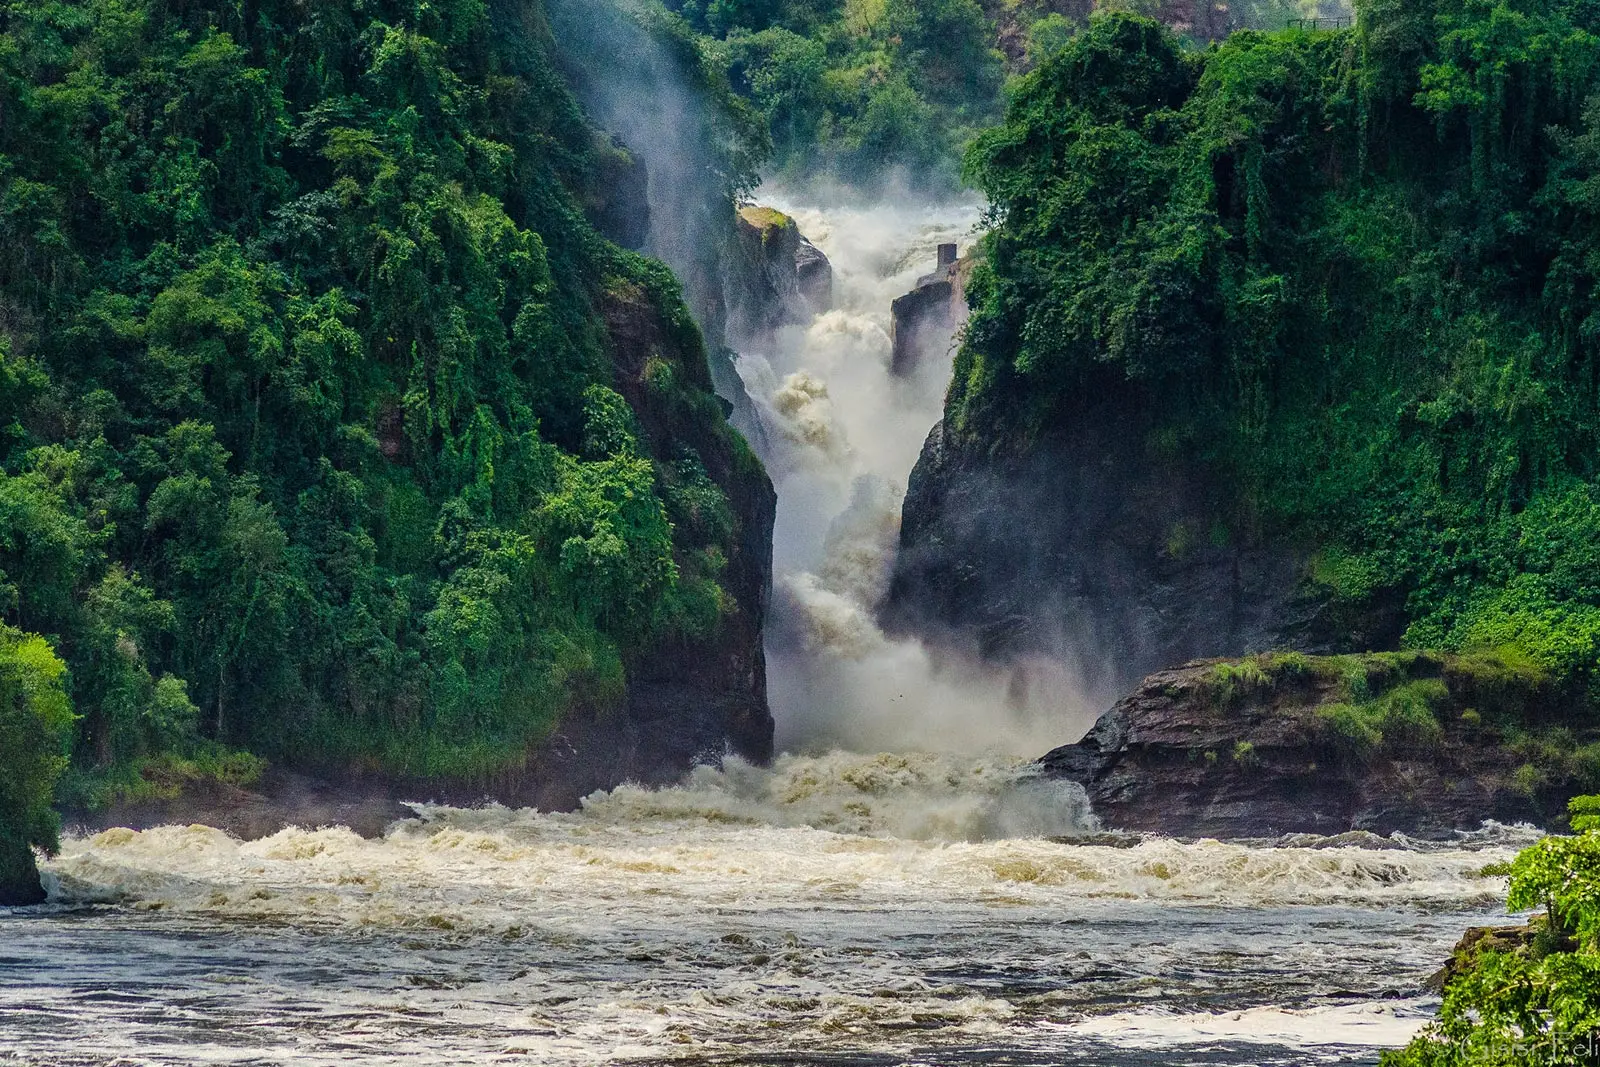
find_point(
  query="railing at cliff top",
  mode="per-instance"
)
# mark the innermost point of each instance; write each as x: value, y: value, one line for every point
x: 1313, y: 25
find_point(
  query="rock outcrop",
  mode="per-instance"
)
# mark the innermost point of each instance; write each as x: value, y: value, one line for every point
x: 1093, y: 548
x: 816, y: 276
x: 691, y: 700
x: 19, y: 876
x: 1289, y: 744
x: 928, y: 316
x: 772, y: 277
x: 1507, y: 940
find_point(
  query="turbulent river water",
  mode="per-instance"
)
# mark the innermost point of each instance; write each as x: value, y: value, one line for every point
x: 902, y: 891
x: 829, y: 910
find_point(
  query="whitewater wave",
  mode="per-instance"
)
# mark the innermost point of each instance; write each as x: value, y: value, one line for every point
x: 887, y: 830
x: 1366, y: 1024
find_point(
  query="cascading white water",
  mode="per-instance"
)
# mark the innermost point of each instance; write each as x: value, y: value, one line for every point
x: 842, y: 435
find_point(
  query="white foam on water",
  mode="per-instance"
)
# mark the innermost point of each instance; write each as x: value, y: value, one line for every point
x: 898, y: 830
x: 1369, y: 1024
x: 886, y: 905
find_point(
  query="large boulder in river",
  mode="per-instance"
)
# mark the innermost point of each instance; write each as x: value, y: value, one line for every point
x: 1281, y: 744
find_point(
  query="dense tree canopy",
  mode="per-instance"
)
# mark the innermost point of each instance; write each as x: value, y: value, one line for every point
x: 1354, y: 272
x: 311, y: 440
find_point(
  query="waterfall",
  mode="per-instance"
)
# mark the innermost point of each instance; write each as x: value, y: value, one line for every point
x: 841, y: 433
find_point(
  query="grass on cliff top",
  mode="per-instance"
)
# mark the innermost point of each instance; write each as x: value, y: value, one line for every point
x: 765, y: 219
x: 1392, y: 703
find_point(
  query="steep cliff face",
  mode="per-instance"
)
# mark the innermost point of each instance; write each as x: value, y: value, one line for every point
x: 772, y: 276
x: 1091, y: 548
x: 691, y: 699
x: 929, y: 316
x: 1286, y: 744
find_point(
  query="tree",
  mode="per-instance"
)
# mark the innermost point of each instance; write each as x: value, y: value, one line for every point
x: 35, y: 734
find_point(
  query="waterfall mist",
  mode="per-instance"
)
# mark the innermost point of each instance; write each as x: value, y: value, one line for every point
x: 842, y: 435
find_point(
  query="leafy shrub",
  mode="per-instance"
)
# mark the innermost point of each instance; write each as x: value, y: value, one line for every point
x: 36, y: 722
x: 1229, y: 683
x: 1540, y: 1003
x: 1401, y: 719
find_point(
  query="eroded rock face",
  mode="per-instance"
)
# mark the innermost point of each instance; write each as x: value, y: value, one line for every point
x: 815, y: 275
x: 692, y: 700
x: 1224, y: 749
x: 772, y: 277
x: 927, y: 318
x: 1091, y: 550
x: 19, y: 876
x: 760, y: 277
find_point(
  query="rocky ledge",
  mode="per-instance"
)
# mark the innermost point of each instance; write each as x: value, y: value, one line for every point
x: 1277, y: 744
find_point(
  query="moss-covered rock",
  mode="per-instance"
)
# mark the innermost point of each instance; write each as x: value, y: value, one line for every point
x: 761, y: 275
x: 1288, y: 743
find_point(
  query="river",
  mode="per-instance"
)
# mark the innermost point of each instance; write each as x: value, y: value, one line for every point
x: 900, y: 889
x: 830, y: 910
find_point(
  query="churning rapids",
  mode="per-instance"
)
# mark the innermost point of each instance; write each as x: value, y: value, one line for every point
x: 835, y: 908
x: 838, y: 909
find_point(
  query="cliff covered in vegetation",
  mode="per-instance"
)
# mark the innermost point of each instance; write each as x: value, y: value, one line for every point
x: 333, y: 431
x: 1325, y: 303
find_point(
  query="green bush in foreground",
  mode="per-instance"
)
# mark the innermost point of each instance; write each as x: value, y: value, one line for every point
x: 1539, y: 1004
x: 35, y: 731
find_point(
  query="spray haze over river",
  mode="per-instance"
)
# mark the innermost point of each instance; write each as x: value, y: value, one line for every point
x: 901, y: 888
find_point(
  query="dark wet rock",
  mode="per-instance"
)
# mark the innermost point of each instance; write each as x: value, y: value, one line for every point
x: 19, y: 875
x: 1516, y: 940
x: 1093, y: 549
x: 690, y: 699
x: 1109, y: 839
x: 762, y: 276
x: 815, y: 275
x: 1195, y: 752
x: 926, y: 318
x: 365, y: 804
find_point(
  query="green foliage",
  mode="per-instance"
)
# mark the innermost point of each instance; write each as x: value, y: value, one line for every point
x: 1232, y: 682
x: 1539, y: 1003
x: 1354, y: 273
x: 1554, y: 757
x: 311, y: 439
x: 36, y: 722
x: 1402, y: 719
x: 1049, y: 35
x: 863, y: 91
